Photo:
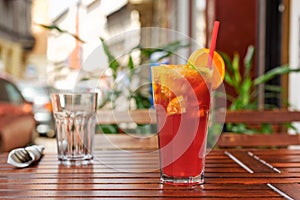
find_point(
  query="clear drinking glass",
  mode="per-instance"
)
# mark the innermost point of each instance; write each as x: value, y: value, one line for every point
x: 75, y: 121
x: 182, y: 102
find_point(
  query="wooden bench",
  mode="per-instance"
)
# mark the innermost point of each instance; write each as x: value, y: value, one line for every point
x: 134, y: 138
x: 142, y: 116
x: 275, y: 117
x: 275, y: 139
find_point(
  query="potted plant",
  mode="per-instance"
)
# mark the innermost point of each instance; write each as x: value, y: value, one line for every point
x: 245, y: 88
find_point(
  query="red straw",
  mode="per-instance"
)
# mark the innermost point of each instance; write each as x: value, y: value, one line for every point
x: 213, y: 42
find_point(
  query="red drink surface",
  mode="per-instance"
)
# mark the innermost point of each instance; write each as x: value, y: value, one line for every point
x: 182, y: 101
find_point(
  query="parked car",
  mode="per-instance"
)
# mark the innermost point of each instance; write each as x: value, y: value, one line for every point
x: 17, y: 123
x: 39, y: 94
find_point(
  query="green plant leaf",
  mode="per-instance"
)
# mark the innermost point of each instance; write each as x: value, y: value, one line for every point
x: 273, y: 88
x: 291, y: 126
x: 107, y: 128
x: 248, y: 61
x: 227, y: 61
x: 240, y: 128
x: 236, y: 69
x: 173, y: 47
x: 142, y: 101
x: 229, y: 80
x: 130, y: 65
x: 229, y: 72
x: 113, y: 63
x: 285, y: 69
x: 55, y: 27
x: 169, y: 49
x: 266, y: 128
x: 232, y: 73
x: 246, y: 90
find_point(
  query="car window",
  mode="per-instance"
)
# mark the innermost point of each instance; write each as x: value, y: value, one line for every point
x: 10, y: 93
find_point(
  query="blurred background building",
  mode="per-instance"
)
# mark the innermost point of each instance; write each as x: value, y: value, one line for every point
x: 16, y: 39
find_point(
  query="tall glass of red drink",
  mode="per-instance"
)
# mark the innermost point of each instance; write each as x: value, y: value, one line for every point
x: 182, y: 102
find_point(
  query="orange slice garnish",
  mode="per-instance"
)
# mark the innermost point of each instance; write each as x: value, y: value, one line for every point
x: 199, y: 59
x: 176, y: 106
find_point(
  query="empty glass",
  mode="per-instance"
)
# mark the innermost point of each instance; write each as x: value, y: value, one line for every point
x: 75, y: 123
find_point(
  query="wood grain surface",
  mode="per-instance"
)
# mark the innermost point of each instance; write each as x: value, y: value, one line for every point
x: 124, y: 173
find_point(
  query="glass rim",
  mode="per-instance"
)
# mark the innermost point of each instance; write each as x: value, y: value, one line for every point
x: 73, y: 93
x: 176, y: 65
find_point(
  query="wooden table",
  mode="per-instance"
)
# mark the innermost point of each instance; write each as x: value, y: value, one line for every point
x: 134, y: 174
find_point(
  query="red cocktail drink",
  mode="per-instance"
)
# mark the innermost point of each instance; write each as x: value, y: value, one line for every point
x: 182, y: 102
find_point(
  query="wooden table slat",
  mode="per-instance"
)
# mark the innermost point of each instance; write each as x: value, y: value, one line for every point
x: 292, y: 190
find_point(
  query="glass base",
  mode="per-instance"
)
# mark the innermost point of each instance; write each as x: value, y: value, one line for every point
x: 195, y: 180
x: 76, y: 161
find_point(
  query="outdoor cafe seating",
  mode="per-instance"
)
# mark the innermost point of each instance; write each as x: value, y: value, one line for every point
x: 127, y: 167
